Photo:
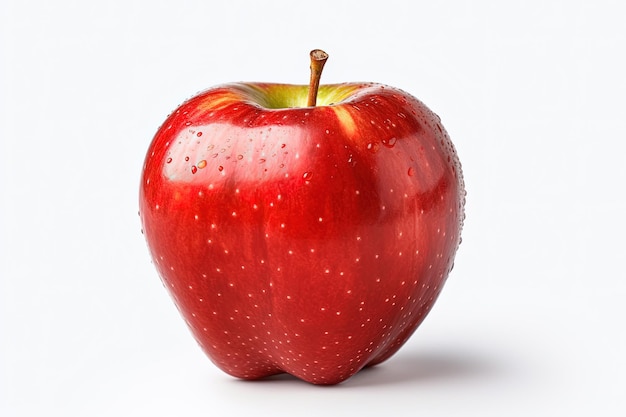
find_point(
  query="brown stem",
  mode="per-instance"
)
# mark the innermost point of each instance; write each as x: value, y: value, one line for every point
x: 318, y: 59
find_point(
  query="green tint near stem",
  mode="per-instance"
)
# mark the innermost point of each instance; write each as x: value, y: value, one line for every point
x: 282, y: 96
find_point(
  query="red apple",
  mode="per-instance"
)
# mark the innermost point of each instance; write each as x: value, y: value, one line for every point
x: 296, y: 238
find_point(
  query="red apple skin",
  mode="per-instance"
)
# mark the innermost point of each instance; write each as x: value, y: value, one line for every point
x: 310, y: 240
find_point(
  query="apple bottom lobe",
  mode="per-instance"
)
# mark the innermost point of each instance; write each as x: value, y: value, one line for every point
x: 332, y: 361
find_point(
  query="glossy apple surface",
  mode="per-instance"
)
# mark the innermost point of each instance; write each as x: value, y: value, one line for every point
x: 306, y: 240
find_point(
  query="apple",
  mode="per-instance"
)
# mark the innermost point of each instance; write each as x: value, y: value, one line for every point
x: 302, y: 229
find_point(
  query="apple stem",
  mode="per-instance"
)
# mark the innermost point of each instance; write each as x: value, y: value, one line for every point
x: 318, y: 59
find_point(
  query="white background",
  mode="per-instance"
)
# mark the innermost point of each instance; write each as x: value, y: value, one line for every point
x: 533, y: 93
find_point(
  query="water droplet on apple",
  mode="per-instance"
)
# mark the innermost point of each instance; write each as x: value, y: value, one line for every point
x: 168, y: 160
x: 307, y: 175
x: 214, y: 155
x: 220, y: 168
x: 283, y: 145
x: 389, y: 142
x: 239, y: 157
x: 199, y: 134
x: 186, y: 158
x: 194, y: 169
x: 373, y: 147
x: 411, y: 171
x: 261, y: 160
x: 187, y: 123
x: 202, y: 164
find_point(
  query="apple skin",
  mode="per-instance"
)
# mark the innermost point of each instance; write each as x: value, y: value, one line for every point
x: 306, y: 240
